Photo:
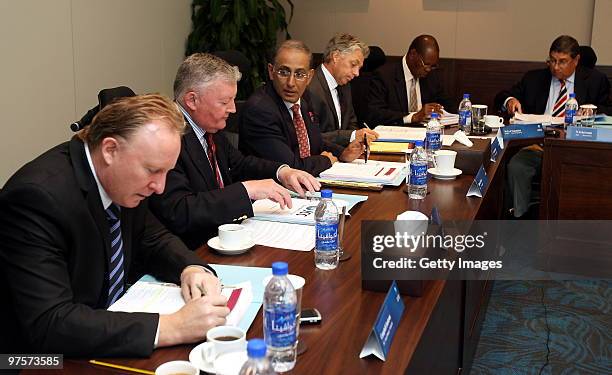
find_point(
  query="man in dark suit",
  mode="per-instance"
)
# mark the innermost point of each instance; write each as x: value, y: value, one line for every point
x: 342, y: 59
x: 545, y: 91
x: 281, y: 121
x: 408, y: 91
x: 213, y: 183
x: 74, y: 225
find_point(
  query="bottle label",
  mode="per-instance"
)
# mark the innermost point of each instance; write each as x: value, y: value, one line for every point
x: 569, y: 115
x: 465, y: 117
x: 279, y: 326
x: 418, y: 174
x: 432, y: 140
x: 327, y: 237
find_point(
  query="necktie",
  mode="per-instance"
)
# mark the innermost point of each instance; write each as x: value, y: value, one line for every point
x: 339, y: 112
x: 559, y: 108
x: 116, y: 272
x: 413, y: 106
x: 212, y: 158
x: 300, y: 130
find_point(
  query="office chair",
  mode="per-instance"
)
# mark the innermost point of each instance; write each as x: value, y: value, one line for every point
x: 588, y: 57
x: 105, y: 97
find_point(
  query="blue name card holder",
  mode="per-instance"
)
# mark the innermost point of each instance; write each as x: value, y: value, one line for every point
x: 522, y: 131
x: 496, y: 149
x: 578, y: 133
x: 479, y: 185
x: 385, y: 326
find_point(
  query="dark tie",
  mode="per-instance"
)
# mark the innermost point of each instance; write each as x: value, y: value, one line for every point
x: 559, y: 108
x: 116, y: 273
x: 212, y: 158
x: 300, y: 131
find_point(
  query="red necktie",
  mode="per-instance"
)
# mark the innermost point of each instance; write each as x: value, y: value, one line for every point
x: 300, y: 130
x: 212, y: 158
x: 559, y: 108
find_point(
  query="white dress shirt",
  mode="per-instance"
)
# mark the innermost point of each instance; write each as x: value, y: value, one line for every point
x: 333, y: 89
x: 409, y: 82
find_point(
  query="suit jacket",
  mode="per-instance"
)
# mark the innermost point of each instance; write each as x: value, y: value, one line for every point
x: 54, y: 261
x: 331, y: 130
x: 590, y: 86
x: 388, y: 99
x: 192, y: 206
x: 267, y: 131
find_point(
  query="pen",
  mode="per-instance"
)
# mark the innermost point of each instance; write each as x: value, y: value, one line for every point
x: 367, y: 148
x: 366, y: 125
x: 125, y: 368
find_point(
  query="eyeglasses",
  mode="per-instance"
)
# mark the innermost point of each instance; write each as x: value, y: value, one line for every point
x: 560, y: 63
x: 286, y: 73
x: 426, y: 66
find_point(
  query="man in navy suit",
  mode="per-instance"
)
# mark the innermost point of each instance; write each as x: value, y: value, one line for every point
x: 281, y: 121
x: 545, y: 91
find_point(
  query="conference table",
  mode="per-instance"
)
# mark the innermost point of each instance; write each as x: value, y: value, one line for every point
x: 438, y: 332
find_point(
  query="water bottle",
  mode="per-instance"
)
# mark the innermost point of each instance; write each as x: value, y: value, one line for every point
x: 326, y: 228
x: 465, y: 114
x: 418, y: 172
x: 280, y: 318
x: 571, y: 108
x: 257, y: 364
x: 433, y: 138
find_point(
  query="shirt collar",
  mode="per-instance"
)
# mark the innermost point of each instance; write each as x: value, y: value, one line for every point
x: 289, y: 105
x: 106, y: 201
x: 199, y: 132
x: 570, y: 79
x: 331, y: 81
x: 407, y: 73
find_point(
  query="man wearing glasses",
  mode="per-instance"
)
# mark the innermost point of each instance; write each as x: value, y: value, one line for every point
x: 408, y: 91
x: 545, y: 91
x: 282, y: 122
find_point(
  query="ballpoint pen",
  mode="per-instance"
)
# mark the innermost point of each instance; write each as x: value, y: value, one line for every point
x: 367, y: 148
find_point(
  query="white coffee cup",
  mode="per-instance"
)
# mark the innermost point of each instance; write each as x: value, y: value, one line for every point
x: 234, y: 236
x: 445, y: 160
x: 493, y: 121
x: 218, y: 342
x: 177, y: 367
x: 230, y: 363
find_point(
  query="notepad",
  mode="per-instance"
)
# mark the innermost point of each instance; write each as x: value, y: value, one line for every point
x: 390, y: 147
x: 374, y: 171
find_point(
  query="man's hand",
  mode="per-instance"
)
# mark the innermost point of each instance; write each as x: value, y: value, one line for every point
x: 330, y: 156
x: 196, y: 283
x: 513, y: 105
x: 193, y: 320
x: 294, y: 179
x: 369, y: 133
x: 268, y: 188
x: 352, y: 151
x: 427, y: 110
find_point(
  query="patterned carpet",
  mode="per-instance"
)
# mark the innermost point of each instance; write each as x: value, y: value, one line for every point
x: 547, y: 327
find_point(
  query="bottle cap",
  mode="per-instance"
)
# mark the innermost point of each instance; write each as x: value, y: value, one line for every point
x: 279, y: 268
x: 326, y: 193
x: 256, y: 348
x: 418, y: 144
x: 435, y: 115
x: 466, y: 96
x: 572, y: 95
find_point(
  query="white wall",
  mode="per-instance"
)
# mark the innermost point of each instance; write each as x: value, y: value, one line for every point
x: 57, y: 55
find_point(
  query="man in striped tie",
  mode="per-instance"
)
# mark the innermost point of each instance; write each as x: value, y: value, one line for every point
x: 75, y: 227
x: 546, y: 91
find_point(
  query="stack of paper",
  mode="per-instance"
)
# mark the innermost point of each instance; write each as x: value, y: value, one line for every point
x: 449, y: 118
x: 525, y: 118
x: 373, y: 171
x: 399, y: 134
x: 282, y: 235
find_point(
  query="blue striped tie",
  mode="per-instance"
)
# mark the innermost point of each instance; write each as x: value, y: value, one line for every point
x: 116, y: 275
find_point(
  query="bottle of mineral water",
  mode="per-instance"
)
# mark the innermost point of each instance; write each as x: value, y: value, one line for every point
x: 465, y: 114
x: 433, y: 138
x: 571, y: 109
x: 326, y: 227
x: 279, y: 319
x: 257, y: 364
x: 418, y: 172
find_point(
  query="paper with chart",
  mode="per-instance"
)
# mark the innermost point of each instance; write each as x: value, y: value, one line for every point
x: 281, y: 235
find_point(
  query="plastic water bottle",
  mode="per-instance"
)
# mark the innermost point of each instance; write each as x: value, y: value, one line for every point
x: 257, y: 364
x: 326, y: 227
x: 465, y: 114
x: 433, y: 138
x: 280, y: 318
x: 418, y: 172
x: 571, y: 108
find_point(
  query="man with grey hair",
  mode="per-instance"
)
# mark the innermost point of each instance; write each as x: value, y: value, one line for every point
x: 343, y: 57
x: 281, y: 121
x: 213, y: 183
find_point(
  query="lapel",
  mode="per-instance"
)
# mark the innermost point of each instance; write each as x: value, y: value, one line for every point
x: 320, y: 76
x: 580, y: 88
x: 196, y: 153
x: 544, y: 89
x: 400, y: 87
x: 345, y: 103
x: 220, y: 144
x: 312, y: 124
x: 285, y: 116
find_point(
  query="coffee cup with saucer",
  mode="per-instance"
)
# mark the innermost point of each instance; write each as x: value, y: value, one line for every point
x: 494, y: 122
x: 233, y: 239
x: 219, y: 341
x: 445, y: 165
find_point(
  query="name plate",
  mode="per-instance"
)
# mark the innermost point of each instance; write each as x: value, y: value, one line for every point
x: 589, y: 134
x: 495, y: 149
x: 479, y: 185
x: 385, y: 326
x: 522, y: 131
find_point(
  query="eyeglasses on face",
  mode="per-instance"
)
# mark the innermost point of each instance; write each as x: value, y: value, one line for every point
x: 299, y: 75
x: 427, y: 66
x: 561, y: 63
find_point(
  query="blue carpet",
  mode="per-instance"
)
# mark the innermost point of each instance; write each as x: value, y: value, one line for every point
x: 547, y: 327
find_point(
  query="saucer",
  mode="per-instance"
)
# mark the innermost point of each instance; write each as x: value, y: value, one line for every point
x: 195, y: 357
x: 495, y: 126
x: 214, y: 243
x: 446, y: 176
